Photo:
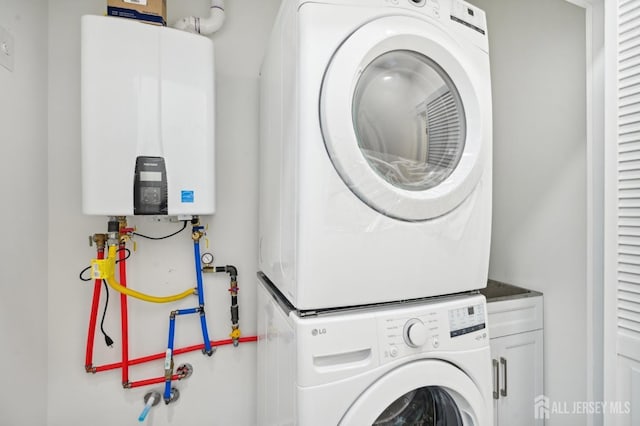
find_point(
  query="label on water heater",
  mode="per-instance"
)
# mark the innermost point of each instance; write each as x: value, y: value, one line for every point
x: 187, y: 196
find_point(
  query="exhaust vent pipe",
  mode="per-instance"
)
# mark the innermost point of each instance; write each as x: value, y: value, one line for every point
x: 207, y: 26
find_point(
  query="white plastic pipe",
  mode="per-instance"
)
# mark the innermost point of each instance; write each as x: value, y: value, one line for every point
x: 207, y: 26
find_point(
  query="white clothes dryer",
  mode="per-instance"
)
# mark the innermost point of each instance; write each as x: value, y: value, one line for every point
x: 414, y: 363
x: 375, y: 170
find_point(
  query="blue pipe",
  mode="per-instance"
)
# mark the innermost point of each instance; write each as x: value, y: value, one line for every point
x: 203, y: 319
x: 196, y: 254
x: 168, y: 362
x: 187, y: 311
x: 205, y: 334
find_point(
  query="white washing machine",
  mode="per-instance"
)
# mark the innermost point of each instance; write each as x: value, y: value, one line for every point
x: 375, y: 181
x: 413, y: 363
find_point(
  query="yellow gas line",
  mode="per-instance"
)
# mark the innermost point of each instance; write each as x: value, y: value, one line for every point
x: 104, y: 269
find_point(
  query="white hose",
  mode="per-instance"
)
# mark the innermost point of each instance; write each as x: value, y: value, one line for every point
x: 207, y: 26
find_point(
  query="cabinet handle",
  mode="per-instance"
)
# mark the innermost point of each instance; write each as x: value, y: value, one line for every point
x: 496, y: 384
x: 503, y: 361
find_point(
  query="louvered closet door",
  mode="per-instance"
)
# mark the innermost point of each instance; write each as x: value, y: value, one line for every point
x: 629, y: 173
x: 626, y: 391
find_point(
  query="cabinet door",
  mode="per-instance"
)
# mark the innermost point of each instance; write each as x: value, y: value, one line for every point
x: 519, y: 378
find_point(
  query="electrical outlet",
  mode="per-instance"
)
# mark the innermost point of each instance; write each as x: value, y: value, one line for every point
x: 7, y: 52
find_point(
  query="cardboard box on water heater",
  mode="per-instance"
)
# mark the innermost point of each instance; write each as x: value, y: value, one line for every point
x: 149, y: 11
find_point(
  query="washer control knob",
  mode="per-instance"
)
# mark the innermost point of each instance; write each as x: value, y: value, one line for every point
x: 393, y: 351
x: 435, y: 343
x: 415, y: 333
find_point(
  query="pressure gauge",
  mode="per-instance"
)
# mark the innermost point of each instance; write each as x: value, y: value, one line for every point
x: 207, y: 258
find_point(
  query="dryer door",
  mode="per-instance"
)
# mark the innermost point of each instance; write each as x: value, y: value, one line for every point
x: 429, y: 393
x: 401, y: 118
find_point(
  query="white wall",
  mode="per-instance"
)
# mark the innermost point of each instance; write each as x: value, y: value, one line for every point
x: 222, y: 388
x: 539, y: 217
x: 23, y: 187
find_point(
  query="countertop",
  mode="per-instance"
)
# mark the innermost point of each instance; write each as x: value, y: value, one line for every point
x: 497, y: 290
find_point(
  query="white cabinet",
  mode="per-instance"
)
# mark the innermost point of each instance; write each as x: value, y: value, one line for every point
x: 517, y: 375
x: 515, y: 328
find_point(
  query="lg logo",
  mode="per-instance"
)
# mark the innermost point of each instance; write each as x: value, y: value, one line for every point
x: 317, y: 331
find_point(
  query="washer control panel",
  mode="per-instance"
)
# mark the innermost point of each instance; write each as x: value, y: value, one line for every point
x: 466, y: 320
x: 415, y: 333
x: 401, y: 336
x: 457, y: 325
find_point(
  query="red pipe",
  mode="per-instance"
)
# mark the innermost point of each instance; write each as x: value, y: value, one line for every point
x: 106, y: 367
x: 122, y: 255
x: 153, y: 381
x: 97, y: 287
x: 178, y: 351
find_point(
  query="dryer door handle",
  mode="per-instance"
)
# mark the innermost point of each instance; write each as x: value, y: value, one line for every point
x: 496, y: 382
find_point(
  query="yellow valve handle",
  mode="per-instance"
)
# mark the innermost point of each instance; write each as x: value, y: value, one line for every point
x: 105, y: 269
x: 235, y: 334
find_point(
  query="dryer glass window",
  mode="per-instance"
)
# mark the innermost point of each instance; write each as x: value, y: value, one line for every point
x: 409, y: 120
x: 427, y: 406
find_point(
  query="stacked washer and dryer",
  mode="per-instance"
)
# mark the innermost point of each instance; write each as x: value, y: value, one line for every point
x: 375, y: 215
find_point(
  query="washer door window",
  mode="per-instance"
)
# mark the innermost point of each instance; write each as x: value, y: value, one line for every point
x: 401, y: 120
x: 427, y: 406
x: 427, y: 392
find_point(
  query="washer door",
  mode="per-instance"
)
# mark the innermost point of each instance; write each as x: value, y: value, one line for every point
x: 401, y: 119
x: 429, y: 393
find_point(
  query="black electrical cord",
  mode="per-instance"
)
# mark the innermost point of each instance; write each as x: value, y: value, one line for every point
x: 82, y: 272
x: 126, y: 257
x: 184, y: 226
x: 108, y: 340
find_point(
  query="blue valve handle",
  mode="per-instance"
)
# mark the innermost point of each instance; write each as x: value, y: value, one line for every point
x: 144, y: 413
x: 150, y: 400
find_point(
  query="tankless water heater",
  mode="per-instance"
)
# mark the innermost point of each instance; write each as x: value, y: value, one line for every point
x: 147, y: 119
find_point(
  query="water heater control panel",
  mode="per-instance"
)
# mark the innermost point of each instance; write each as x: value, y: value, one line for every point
x: 150, y: 186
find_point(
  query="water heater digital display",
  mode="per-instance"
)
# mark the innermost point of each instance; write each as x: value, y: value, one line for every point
x: 147, y: 119
x: 150, y: 187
